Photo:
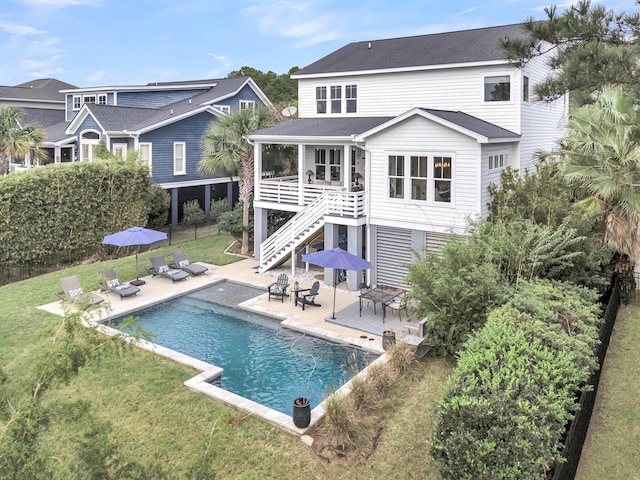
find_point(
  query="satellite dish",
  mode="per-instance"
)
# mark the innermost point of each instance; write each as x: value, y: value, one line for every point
x: 289, y: 111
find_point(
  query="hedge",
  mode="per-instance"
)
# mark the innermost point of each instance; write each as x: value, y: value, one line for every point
x: 71, y: 207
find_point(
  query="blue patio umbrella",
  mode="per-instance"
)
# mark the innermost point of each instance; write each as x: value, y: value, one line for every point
x: 336, y: 258
x: 134, y: 236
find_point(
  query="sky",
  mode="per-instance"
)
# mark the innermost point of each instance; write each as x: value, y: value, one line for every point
x: 130, y: 42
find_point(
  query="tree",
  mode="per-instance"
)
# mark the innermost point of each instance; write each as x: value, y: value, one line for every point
x: 281, y: 89
x: 17, y: 140
x: 226, y: 149
x: 588, y: 47
x: 601, y: 160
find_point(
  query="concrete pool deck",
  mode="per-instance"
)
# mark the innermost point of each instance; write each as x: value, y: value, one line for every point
x: 311, y: 321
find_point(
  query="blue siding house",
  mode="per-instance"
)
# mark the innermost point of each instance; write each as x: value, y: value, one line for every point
x: 164, y: 122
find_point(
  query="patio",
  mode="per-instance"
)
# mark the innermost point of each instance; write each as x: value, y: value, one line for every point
x: 313, y: 320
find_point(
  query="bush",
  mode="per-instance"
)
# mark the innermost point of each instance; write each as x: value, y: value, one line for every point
x: 455, y: 289
x: 192, y: 212
x: 231, y: 222
x: 505, y: 408
x: 217, y: 208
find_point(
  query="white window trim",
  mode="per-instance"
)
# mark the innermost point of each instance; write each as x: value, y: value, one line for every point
x: 102, y: 99
x: 430, y: 178
x: 343, y: 99
x: 223, y: 108
x: 150, y: 163
x: 119, y: 146
x: 184, y: 158
x: 497, y: 102
x: 247, y: 104
x: 497, y: 160
x: 73, y: 102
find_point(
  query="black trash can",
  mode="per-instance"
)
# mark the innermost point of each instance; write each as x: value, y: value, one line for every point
x: 301, y: 412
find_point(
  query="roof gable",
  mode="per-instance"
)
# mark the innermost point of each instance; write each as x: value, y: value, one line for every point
x: 474, y: 127
x: 465, y: 46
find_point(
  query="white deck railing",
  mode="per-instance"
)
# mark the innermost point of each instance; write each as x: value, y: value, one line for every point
x: 287, y: 190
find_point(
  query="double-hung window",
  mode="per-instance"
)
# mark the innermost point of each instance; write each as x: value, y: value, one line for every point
x: 247, y: 105
x: 321, y: 99
x: 442, y: 179
x: 336, y: 99
x: 102, y: 99
x: 351, y: 94
x: 144, y: 150
x: 321, y: 164
x: 419, y: 166
x: 396, y: 176
x: 77, y: 102
x: 179, y: 158
x: 335, y: 164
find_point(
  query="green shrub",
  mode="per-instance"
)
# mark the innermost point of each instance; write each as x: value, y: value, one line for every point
x: 505, y: 408
x: 231, y: 222
x: 192, y: 212
x: 217, y: 208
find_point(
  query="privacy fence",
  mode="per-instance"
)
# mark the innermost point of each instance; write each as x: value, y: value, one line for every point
x: 66, y: 258
x: 577, y: 431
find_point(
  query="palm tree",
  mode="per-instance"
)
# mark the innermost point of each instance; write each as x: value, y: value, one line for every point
x: 18, y: 140
x: 227, y: 150
x: 601, y: 159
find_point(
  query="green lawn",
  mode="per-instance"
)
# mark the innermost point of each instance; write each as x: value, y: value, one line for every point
x: 157, y: 422
x: 611, y: 447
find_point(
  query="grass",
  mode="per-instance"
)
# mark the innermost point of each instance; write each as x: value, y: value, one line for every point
x: 611, y: 446
x: 171, y: 431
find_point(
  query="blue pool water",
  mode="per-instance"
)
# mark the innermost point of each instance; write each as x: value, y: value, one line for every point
x: 262, y: 361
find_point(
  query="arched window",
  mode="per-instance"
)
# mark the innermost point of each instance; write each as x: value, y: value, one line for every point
x: 88, y: 142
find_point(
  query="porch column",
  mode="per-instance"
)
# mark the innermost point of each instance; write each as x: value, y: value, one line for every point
x: 230, y: 195
x: 174, y: 206
x: 302, y: 178
x: 207, y: 200
x: 331, y: 232
x: 259, y: 229
x: 354, y: 246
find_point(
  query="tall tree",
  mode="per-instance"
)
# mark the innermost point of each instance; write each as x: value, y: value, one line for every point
x: 601, y: 160
x: 587, y: 47
x: 281, y: 89
x: 18, y: 140
x: 226, y: 150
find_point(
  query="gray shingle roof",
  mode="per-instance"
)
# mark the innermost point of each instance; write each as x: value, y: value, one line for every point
x: 323, y: 127
x: 43, y: 89
x: 42, y: 116
x: 473, y: 124
x: 120, y: 118
x: 478, y: 45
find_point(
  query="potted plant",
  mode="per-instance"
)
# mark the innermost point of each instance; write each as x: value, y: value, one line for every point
x: 388, y: 339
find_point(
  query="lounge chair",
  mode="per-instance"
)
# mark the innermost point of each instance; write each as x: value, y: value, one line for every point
x: 279, y: 288
x: 161, y: 268
x: 72, y: 291
x: 309, y: 297
x: 112, y: 284
x: 180, y: 261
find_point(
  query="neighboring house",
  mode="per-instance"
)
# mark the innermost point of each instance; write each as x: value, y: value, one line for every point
x: 398, y: 140
x: 164, y: 122
x: 41, y: 103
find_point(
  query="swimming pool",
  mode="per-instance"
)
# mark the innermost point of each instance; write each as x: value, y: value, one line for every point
x: 261, y: 360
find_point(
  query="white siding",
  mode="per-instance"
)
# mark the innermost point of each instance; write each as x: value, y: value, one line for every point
x: 543, y: 124
x: 422, y: 136
x: 448, y: 89
x: 493, y: 176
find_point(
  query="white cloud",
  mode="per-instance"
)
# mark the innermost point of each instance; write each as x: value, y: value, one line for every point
x: 95, y: 76
x: 14, y: 29
x: 468, y: 10
x: 33, y: 64
x: 217, y: 57
x: 47, y: 73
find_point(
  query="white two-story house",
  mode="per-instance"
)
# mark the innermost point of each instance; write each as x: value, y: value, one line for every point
x: 398, y: 140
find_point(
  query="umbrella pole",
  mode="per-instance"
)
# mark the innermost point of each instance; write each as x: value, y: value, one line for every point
x: 137, y: 282
x: 335, y: 285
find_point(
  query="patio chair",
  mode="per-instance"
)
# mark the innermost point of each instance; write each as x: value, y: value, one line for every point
x: 398, y: 304
x: 309, y: 297
x: 180, y: 261
x: 162, y: 269
x: 72, y: 291
x: 364, y: 288
x: 279, y: 288
x: 112, y: 284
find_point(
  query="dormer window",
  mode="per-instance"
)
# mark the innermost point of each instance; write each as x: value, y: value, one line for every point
x: 497, y: 89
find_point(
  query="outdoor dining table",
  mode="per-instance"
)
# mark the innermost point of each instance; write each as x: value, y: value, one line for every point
x: 381, y: 294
